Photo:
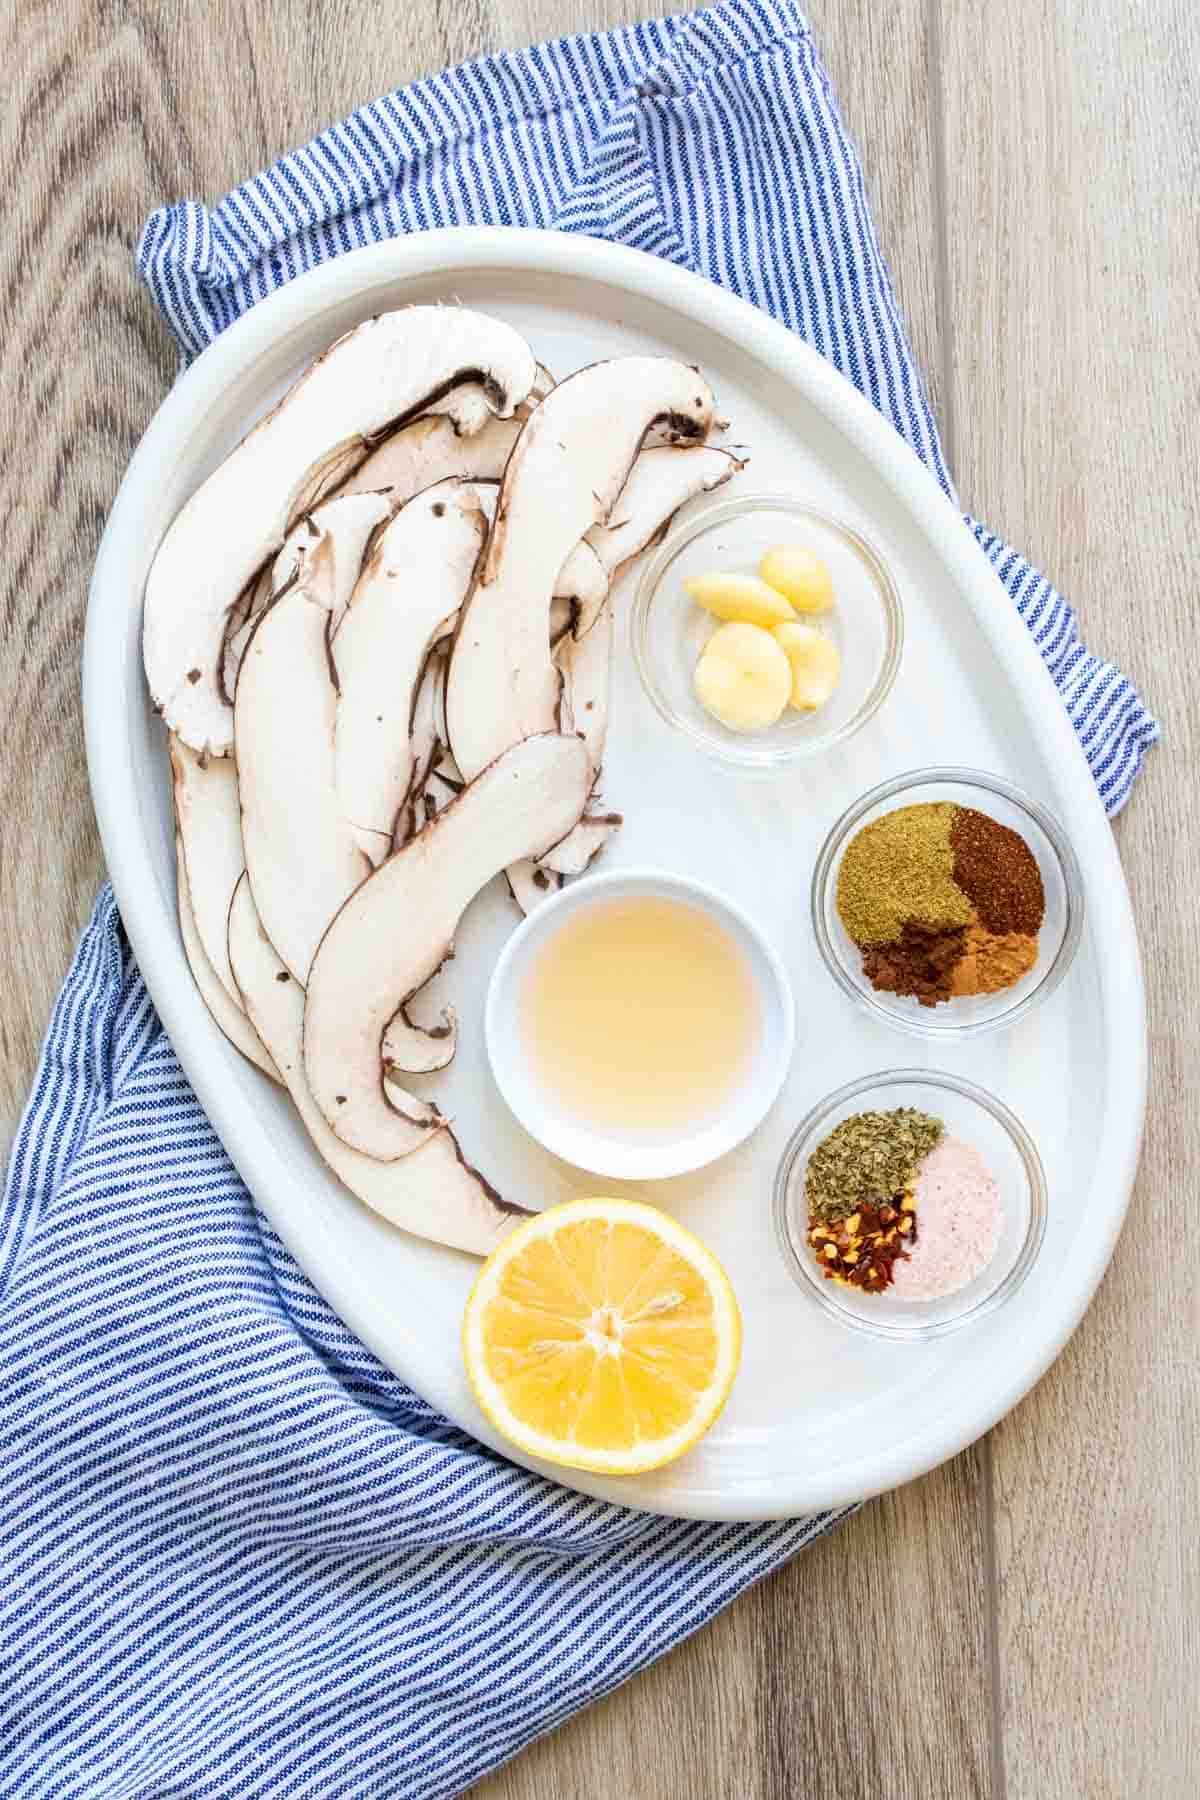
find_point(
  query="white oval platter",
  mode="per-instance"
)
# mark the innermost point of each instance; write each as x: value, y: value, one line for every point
x: 817, y: 1417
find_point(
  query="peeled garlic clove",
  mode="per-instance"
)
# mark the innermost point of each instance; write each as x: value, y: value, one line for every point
x: 800, y: 576
x: 743, y: 598
x: 743, y: 677
x: 815, y: 663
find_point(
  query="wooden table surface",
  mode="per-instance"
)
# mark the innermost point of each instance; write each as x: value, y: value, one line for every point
x: 1026, y: 1621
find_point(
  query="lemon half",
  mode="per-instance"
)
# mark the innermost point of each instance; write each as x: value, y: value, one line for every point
x: 602, y: 1335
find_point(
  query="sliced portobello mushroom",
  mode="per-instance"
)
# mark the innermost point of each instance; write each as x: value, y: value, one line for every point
x: 405, y: 601
x: 586, y: 664
x: 398, y: 928
x: 208, y: 827
x: 660, y: 482
x: 387, y: 371
x: 581, y: 585
x: 408, y: 1048
x: 530, y: 884
x: 433, y: 788
x: 425, y: 744
x: 301, y: 853
x: 434, y: 448
x: 350, y: 523
x: 582, y: 845
x: 564, y: 616
x: 240, y: 621
x: 431, y: 1192
x: 228, y: 1015
x: 564, y: 476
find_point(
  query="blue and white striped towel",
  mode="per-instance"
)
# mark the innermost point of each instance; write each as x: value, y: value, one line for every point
x: 239, y: 1557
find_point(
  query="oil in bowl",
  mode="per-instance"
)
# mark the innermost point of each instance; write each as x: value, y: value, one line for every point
x: 638, y: 1025
x: 640, y: 1014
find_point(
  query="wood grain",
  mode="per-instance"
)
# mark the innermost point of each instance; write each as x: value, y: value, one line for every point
x: 1022, y: 1622
x: 1073, y: 263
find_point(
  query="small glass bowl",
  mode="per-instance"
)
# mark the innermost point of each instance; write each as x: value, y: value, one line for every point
x: 669, y: 631
x: 1058, y: 938
x: 968, y: 1113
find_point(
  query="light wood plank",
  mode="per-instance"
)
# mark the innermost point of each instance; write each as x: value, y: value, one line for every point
x: 1074, y: 264
x: 688, y: 1725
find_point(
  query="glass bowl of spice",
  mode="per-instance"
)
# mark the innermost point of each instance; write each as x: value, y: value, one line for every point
x: 947, y: 902
x: 910, y: 1203
x: 766, y: 566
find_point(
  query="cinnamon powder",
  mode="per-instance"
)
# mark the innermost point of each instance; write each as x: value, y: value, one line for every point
x: 991, y: 962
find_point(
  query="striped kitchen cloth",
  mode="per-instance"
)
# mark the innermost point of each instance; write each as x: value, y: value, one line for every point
x: 238, y: 1556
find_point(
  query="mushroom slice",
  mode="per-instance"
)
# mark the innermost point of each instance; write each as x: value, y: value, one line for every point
x: 350, y: 523
x: 431, y: 450
x: 431, y: 792
x: 208, y: 824
x: 564, y: 615
x: 530, y: 884
x: 405, y: 601
x: 228, y: 1015
x: 425, y: 747
x: 581, y: 845
x: 388, y: 370
x: 586, y: 663
x: 581, y: 585
x: 435, y: 447
x: 301, y: 853
x: 660, y: 482
x: 583, y: 582
x: 433, y: 1192
x: 240, y: 621
x: 565, y: 474
x: 429, y: 714
x: 411, y: 1049
x: 397, y: 930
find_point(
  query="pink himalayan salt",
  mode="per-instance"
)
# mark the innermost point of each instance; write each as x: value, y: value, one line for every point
x: 958, y: 1223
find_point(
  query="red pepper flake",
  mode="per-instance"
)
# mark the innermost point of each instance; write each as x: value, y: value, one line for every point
x: 862, y: 1249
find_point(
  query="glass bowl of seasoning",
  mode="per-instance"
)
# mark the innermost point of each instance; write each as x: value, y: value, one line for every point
x: 841, y: 614
x: 947, y: 902
x: 909, y: 1204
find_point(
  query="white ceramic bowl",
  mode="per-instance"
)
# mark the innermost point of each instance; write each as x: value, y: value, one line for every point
x: 633, y: 1158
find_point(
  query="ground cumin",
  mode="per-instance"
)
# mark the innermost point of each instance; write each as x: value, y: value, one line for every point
x: 901, y: 867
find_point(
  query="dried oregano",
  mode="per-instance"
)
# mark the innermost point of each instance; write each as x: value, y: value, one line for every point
x: 868, y: 1159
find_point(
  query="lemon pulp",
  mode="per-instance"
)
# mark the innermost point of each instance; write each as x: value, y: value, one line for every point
x: 602, y: 1335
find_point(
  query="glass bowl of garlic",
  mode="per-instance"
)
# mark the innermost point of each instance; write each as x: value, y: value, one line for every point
x: 766, y: 631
